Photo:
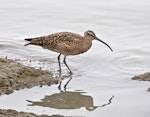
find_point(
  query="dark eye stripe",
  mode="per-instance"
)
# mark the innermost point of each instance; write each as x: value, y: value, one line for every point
x: 91, y: 34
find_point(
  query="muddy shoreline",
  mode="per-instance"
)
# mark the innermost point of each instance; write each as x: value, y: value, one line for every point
x: 14, y: 113
x: 16, y: 76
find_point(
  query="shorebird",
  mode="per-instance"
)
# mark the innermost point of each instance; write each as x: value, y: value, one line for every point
x: 66, y: 43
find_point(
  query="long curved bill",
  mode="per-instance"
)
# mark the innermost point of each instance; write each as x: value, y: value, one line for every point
x: 104, y: 43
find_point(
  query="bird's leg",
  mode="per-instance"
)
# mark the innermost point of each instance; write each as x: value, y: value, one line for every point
x: 59, y: 87
x: 65, y: 86
x: 59, y: 62
x: 67, y: 65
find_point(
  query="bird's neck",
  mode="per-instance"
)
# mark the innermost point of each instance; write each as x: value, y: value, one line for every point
x: 86, y: 44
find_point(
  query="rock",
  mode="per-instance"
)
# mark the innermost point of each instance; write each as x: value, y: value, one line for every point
x: 143, y: 77
x: 149, y: 89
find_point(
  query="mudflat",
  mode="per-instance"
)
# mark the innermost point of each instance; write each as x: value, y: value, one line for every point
x: 15, y: 76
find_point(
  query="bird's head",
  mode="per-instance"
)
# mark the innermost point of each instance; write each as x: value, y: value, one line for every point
x: 91, y: 35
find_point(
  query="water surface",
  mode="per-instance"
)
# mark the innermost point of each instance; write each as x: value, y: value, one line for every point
x: 99, y: 74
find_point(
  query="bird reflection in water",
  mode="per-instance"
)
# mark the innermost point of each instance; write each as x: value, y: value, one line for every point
x: 68, y: 100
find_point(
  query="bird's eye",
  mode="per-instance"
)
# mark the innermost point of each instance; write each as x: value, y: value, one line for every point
x: 90, y: 34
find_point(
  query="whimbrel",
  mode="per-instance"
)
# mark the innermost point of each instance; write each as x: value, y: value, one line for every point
x: 66, y: 43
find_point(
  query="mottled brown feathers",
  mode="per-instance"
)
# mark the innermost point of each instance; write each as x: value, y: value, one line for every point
x: 66, y: 43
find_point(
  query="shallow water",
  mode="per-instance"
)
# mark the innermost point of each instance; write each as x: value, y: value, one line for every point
x: 99, y: 74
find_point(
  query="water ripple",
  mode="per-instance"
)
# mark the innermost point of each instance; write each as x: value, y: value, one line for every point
x: 131, y: 62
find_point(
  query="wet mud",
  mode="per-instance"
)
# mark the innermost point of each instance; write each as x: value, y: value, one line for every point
x: 15, y: 76
x: 13, y: 113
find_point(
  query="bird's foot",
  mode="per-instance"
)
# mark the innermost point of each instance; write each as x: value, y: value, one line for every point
x: 59, y: 71
x: 70, y: 72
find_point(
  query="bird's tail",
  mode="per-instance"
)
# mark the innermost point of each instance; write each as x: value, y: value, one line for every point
x: 34, y: 41
x: 28, y: 39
